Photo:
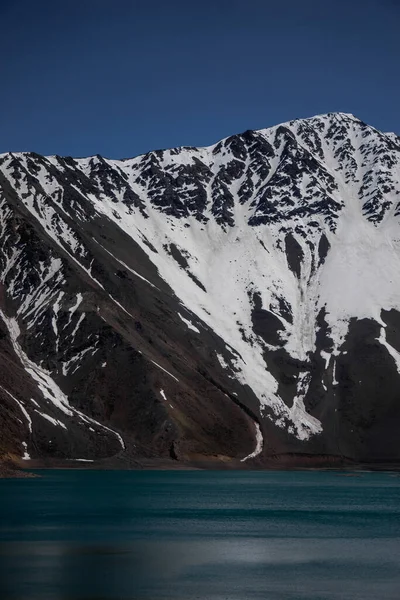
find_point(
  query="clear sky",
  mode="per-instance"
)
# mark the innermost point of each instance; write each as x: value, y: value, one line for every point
x: 121, y: 77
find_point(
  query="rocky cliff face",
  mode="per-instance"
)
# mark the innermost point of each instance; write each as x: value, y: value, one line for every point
x: 231, y: 303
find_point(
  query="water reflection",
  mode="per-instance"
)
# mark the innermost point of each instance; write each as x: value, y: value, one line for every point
x: 204, y: 537
x: 212, y: 569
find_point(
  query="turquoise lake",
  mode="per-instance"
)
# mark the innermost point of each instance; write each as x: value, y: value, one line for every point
x: 165, y: 535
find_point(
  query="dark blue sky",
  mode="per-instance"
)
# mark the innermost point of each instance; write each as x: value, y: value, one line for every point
x: 121, y: 77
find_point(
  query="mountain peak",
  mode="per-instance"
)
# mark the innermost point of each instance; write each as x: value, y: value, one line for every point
x: 193, y: 302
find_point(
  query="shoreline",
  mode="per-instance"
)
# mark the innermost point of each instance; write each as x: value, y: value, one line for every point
x: 12, y: 470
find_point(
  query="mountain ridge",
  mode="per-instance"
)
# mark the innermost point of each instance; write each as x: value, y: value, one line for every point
x: 338, y: 114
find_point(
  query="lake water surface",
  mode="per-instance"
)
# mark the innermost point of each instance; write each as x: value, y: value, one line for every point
x: 167, y: 535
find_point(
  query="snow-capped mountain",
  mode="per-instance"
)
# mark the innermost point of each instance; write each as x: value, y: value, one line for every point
x: 239, y: 302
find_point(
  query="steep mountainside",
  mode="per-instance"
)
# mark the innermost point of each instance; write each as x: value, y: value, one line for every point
x: 239, y: 302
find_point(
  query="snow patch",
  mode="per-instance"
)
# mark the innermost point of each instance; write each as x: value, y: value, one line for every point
x: 22, y: 408
x: 392, y: 351
x: 51, y: 420
x: 165, y: 370
x: 189, y: 324
x: 259, y: 444
x: 26, y: 455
